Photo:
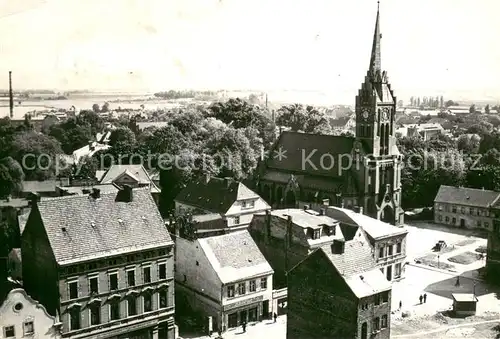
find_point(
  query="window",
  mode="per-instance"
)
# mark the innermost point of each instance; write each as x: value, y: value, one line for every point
x: 241, y: 288
x: 114, y: 310
x: 471, y: 211
x: 398, y: 247
x: 462, y: 210
x: 316, y: 234
x: 163, y: 298
x: 447, y: 219
x: 248, y: 204
x: 73, y: 289
x: 376, y: 324
x: 364, y: 306
x: 454, y: 221
x: 131, y: 278
x: 385, y: 296
x: 454, y: 209
x: 263, y: 283
x: 93, y: 285
x: 148, y: 304
x: 381, y: 252
x: 384, y: 321
x: 377, y: 299
x: 236, y: 220
x: 74, y: 319
x: 440, y: 207
x: 113, y: 281
x: 197, y: 263
x: 131, y: 306
x: 440, y: 217
x: 391, y: 249
x: 478, y: 212
x: 146, y: 275
x: 230, y: 291
x: 162, y: 271
x: 28, y: 328
x: 95, y: 314
x: 252, y: 286
x: 397, y: 272
x: 486, y: 224
x: 9, y: 331
x: 479, y: 223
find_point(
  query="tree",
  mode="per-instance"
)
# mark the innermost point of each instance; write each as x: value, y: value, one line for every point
x: 487, y: 109
x: 441, y: 102
x: 11, y: 177
x: 95, y: 108
x: 472, y: 108
x: 481, y: 128
x: 468, y: 144
x: 491, y: 157
x: 304, y: 119
x: 105, y: 107
x: 93, y: 119
x: 450, y: 103
x: 122, y: 135
x: 86, y: 168
x: 494, y: 120
x: 71, y: 134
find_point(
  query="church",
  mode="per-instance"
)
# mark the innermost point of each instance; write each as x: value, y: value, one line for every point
x: 361, y: 172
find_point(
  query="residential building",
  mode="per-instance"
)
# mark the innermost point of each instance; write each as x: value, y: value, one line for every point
x: 132, y: 175
x: 338, y: 292
x: 103, y: 262
x: 88, y: 150
x: 365, y: 168
x: 23, y: 317
x: 493, y: 247
x: 44, y: 188
x: 199, y: 226
x: 464, y: 207
x: 387, y: 241
x: 225, y: 196
x: 225, y: 277
x: 423, y: 131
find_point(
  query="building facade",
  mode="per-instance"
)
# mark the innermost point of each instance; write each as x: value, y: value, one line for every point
x: 493, y: 246
x: 464, y: 207
x: 365, y: 169
x: 338, y: 292
x: 104, y: 263
x: 21, y: 317
x: 232, y: 199
x: 224, y: 277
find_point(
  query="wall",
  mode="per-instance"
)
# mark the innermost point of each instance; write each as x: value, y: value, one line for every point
x: 493, y: 251
x: 245, y: 214
x: 395, y: 258
x: 201, y: 277
x: 31, y: 311
x: 320, y: 304
x: 373, y: 311
x: 442, y: 210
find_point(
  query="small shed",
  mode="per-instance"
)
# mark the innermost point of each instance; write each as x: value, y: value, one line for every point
x: 464, y: 304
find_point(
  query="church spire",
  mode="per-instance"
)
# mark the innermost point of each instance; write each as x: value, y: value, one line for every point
x: 375, y: 60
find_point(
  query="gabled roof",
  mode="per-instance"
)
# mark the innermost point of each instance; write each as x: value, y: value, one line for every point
x: 16, y: 295
x: 296, y: 146
x: 216, y: 195
x: 368, y: 283
x: 81, y: 228
x: 235, y: 256
x: 136, y: 171
x: 357, y: 258
x: 466, y: 196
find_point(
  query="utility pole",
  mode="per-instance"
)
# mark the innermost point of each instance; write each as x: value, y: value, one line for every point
x: 11, y: 96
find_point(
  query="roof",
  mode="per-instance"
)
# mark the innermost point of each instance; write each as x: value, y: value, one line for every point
x: 303, y: 218
x: 216, y: 195
x: 464, y: 297
x: 106, y: 188
x: 375, y: 228
x: 13, y: 296
x: 136, y: 171
x: 88, y: 151
x: 81, y: 228
x: 235, y: 256
x: 295, y: 147
x: 14, y: 202
x: 466, y: 196
x: 357, y: 258
x: 210, y: 221
x: 41, y: 186
x: 368, y: 283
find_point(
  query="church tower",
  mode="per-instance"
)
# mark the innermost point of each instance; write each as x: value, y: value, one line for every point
x: 375, y: 131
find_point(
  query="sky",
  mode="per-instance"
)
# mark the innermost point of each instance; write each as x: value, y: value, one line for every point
x: 429, y: 47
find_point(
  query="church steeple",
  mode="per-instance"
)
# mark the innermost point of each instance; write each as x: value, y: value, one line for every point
x: 375, y: 60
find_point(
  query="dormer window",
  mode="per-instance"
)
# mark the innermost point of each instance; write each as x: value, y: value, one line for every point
x: 315, y: 233
x: 248, y: 204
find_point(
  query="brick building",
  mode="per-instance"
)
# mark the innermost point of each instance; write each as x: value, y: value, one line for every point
x: 363, y: 171
x: 103, y: 262
x: 464, y: 207
x: 339, y: 292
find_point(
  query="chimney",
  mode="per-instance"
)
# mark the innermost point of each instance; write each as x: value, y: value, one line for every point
x: 125, y: 194
x: 342, y: 204
x: 96, y: 193
x: 361, y: 210
x: 306, y: 207
x: 289, y: 230
x: 338, y: 246
x: 228, y: 181
x: 11, y: 96
x: 321, y: 211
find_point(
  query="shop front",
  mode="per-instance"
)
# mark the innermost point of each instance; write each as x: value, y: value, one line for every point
x: 245, y: 311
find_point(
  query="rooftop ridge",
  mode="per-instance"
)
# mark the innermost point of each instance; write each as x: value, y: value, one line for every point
x: 85, y: 196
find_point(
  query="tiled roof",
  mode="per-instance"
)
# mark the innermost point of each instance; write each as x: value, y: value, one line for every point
x: 81, y: 228
x: 35, y: 186
x: 295, y: 147
x: 217, y: 195
x: 375, y: 228
x: 466, y: 196
x: 78, y: 190
x: 235, y: 256
x: 357, y: 258
x: 368, y: 283
x: 137, y: 171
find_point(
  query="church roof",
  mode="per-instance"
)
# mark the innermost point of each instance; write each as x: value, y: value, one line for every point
x: 302, y: 153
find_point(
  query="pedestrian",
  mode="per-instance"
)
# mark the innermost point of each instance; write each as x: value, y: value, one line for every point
x: 244, y: 325
x: 425, y: 298
x: 275, y: 316
x: 420, y: 298
x: 400, y: 304
x: 458, y: 281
